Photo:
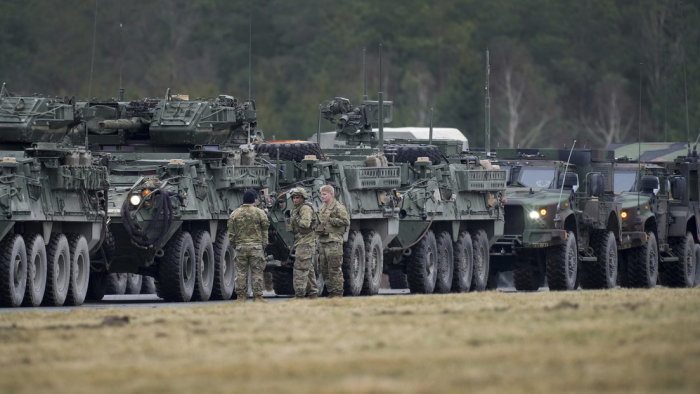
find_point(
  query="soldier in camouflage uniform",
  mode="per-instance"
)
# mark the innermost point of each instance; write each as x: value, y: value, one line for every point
x: 247, y: 232
x: 301, y: 223
x: 334, y: 221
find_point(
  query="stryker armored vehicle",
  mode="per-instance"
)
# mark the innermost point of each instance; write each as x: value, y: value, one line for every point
x: 364, y: 182
x: 52, y: 203
x: 562, y: 219
x: 451, y: 212
x: 177, y: 170
x: 659, y: 196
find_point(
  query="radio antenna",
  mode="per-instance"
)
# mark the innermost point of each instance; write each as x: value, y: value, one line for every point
x: 487, y: 109
x: 381, y: 105
x: 639, y: 143
x: 364, y: 72
x: 563, y: 181
x: 121, y: 33
x: 250, y: 52
x: 685, y: 84
x: 92, y: 63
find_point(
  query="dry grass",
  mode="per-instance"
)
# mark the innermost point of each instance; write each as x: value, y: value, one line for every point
x: 612, y: 341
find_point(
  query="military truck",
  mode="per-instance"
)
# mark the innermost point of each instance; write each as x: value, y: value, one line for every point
x: 364, y: 182
x: 178, y: 167
x: 659, y: 196
x: 53, y: 203
x: 562, y: 219
x: 451, y: 212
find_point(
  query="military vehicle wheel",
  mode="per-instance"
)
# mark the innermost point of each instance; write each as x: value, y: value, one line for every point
x: 177, y: 269
x: 283, y: 281
x: 602, y: 273
x: 223, y: 267
x: 562, y: 264
x: 204, y: 256
x: 481, y: 261
x: 528, y: 279
x: 109, y: 245
x: 57, y: 271
x: 643, y: 264
x: 397, y: 279
x: 374, y: 263
x: 294, y: 151
x: 148, y: 286
x: 421, y: 265
x: 680, y: 273
x: 133, y: 284
x: 36, y: 270
x: 463, y: 263
x: 13, y: 270
x: 353, y: 264
x: 97, y: 287
x: 80, y: 269
x: 697, y: 264
x: 409, y: 153
x: 443, y: 283
x: 116, y: 283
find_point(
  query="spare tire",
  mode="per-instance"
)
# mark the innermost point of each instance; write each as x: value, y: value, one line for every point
x: 407, y: 153
x: 293, y: 151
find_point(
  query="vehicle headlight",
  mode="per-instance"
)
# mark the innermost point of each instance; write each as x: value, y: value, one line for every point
x: 624, y: 215
x: 135, y: 199
x: 534, y: 215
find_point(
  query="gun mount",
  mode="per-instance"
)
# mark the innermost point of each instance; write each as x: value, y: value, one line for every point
x: 353, y: 124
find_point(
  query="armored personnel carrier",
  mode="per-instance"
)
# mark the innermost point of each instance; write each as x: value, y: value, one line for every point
x: 659, y: 195
x: 562, y: 219
x: 53, y: 203
x: 364, y: 182
x: 177, y: 167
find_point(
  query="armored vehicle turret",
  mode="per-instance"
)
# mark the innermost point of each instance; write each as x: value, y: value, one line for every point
x: 562, y: 219
x: 52, y: 203
x: 178, y: 167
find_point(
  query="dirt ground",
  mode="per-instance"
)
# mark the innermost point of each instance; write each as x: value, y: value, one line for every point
x: 586, y: 341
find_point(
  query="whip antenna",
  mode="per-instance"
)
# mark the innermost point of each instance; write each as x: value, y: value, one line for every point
x: 487, y: 108
x: 92, y: 64
x: 563, y: 181
x: 121, y: 33
x: 364, y: 72
x: 250, y: 51
x: 639, y: 143
x: 685, y: 86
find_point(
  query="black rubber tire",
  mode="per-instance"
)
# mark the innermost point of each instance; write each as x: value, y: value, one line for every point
x: 80, y: 269
x: 294, y: 151
x: 421, y: 265
x: 374, y: 262
x: 697, y: 264
x: 643, y: 264
x: 397, y: 279
x: 353, y: 264
x: 204, y: 256
x: 463, y: 268
x: 36, y: 270
x: 562, y: 264
x: 97, y: 288
x: 283, y: 281
x: 481, y: 261
x: 13, y: 270
x: 527, y: 279
x: 680, y: 273
x: 148, y: 285
x: 116, y: 283
x: 177, y: 269
x: 134, y: 282
x: 445, y: 267
x: 409, y: 153
x: 602, y: 273
x: 224, y: 267
x: 57, y: 271
x: 109, y: 245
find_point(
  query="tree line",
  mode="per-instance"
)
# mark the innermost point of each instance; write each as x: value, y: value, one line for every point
x: 560, y: 70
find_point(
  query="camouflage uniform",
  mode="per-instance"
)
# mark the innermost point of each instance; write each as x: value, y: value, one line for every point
x: 247, y: 232
x: 300, y: 224
x: 334, y: 221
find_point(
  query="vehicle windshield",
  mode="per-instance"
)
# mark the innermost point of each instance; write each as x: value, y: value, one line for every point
x: 537, y: 177
x: 624, y: 180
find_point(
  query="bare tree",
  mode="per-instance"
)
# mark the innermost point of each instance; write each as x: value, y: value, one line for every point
x: 612, y: 112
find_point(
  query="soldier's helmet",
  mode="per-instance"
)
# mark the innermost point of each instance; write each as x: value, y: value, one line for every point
x: 299, y: 191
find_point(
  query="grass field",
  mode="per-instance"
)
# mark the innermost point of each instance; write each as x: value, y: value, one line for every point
x: 593, y: 341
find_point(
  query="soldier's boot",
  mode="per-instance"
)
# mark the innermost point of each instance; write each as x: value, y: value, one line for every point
x: 259, y: 299
x: 313, y: 297
x: 335, y: 296
x: 296, y: 298
x: 240, y: 299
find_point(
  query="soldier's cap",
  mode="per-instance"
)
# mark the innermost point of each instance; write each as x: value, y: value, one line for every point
x: 250, y: 196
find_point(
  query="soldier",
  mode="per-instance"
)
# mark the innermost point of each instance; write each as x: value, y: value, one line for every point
x: 247, y: 232
x: 334, y: 221
x: 301, y: 222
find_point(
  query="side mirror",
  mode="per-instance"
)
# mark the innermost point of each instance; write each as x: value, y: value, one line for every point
x: 596, y: 187
x: 678, y: 188
x: 649, y: 184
